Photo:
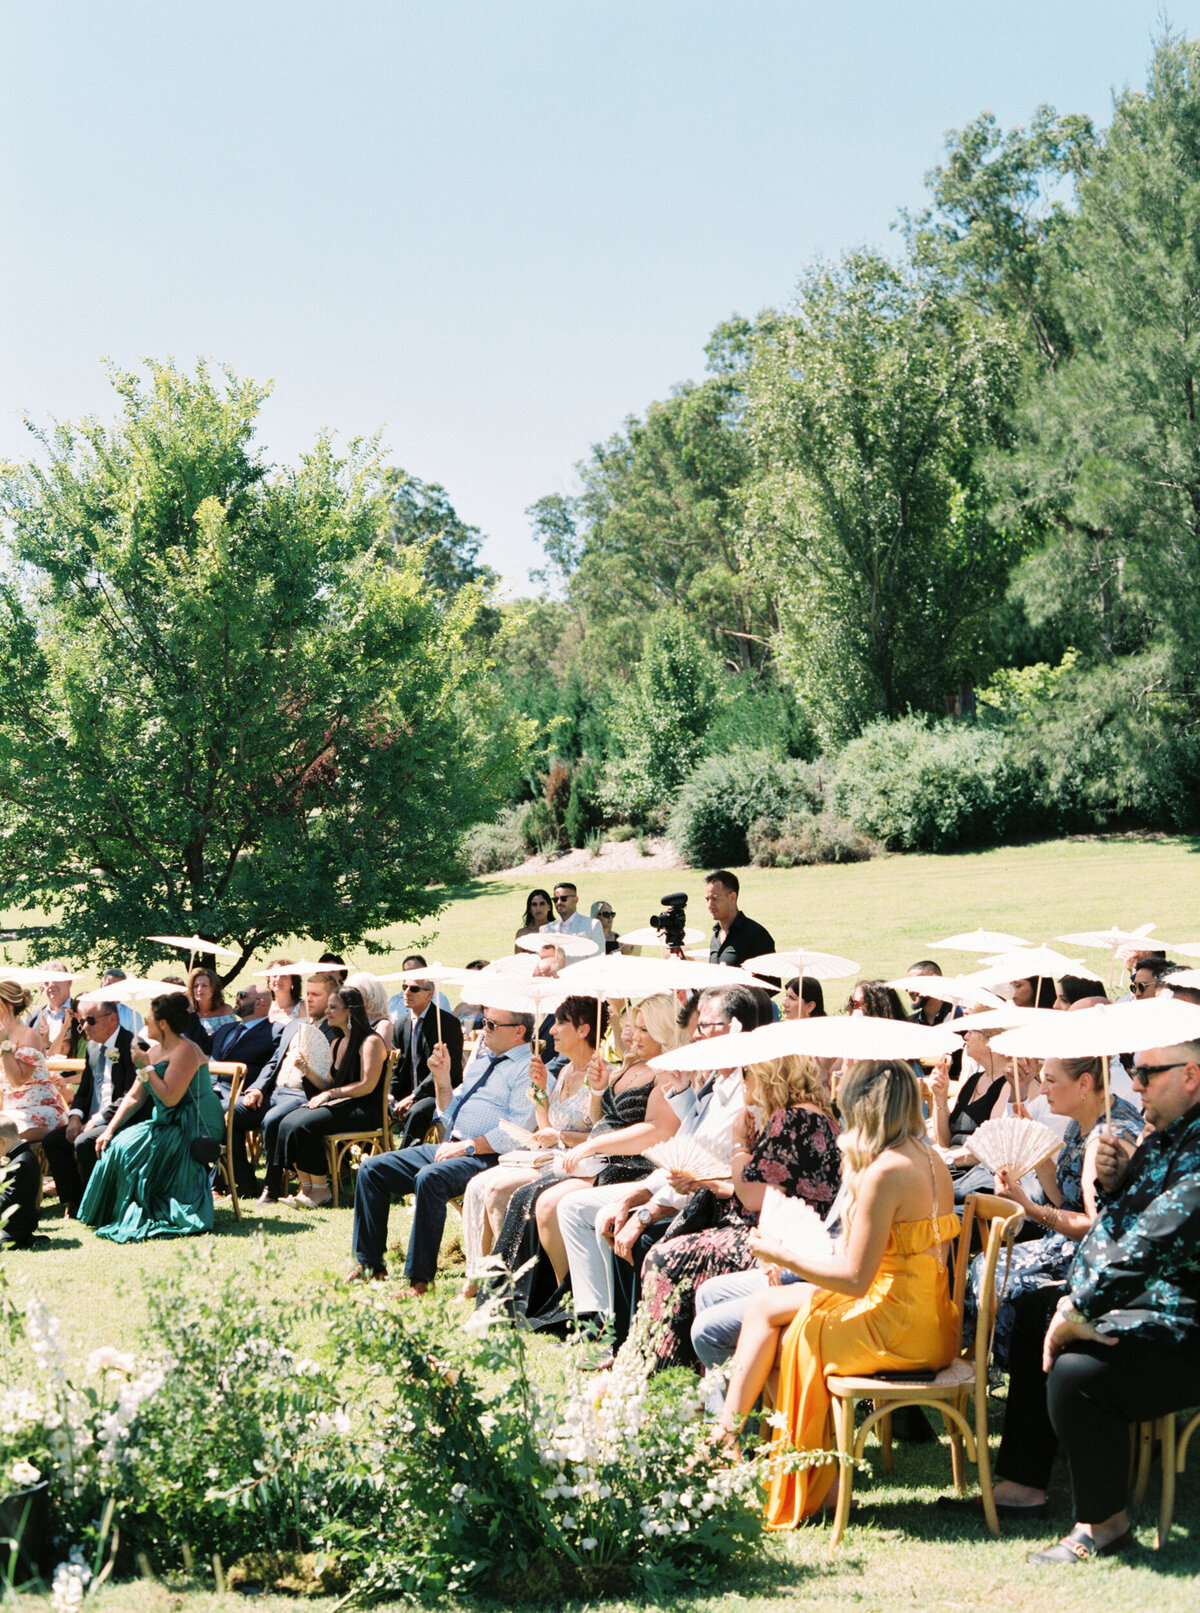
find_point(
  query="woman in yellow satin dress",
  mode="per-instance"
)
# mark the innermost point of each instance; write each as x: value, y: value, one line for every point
x: 882, y: 1298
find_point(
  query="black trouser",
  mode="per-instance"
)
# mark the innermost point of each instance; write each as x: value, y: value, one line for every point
x: 627, y: 1281
x: 417, y: 1122
x: 71, y: 1164
x: 18, y: 1196
x: 1091, y: 1396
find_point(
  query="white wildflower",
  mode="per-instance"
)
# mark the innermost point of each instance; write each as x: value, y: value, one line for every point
x: 69, y: 1587
x: 589, y: 1543
x: 107, y: 1359
x: 24, y: 1473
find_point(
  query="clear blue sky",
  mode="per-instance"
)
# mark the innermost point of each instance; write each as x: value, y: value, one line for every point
x: 491, y: 230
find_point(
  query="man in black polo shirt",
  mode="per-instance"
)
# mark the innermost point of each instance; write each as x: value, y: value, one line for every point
x: 735, y: 937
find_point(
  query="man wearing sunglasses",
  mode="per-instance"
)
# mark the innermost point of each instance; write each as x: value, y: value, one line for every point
x: 1123, y: 1343
x: 495, y: 1088
x: 415, y: 1034
x: 71, y: 1149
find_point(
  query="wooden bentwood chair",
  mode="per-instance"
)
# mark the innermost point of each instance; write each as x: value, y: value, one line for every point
x: 374, y: 1140
x: 237, y: 1074
x: 967, y: 1375
x: 1175, y: 1441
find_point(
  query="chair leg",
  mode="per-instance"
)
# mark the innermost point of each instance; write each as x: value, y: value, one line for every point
x: 335, y: 1176
x: 1143, y: 1449
x: 843, y: 1423
x: 1166, y: 1509
x: 885, y: 1439
x: 983, y: 1461
x: 232, y: 1185
x: 958, y: 1466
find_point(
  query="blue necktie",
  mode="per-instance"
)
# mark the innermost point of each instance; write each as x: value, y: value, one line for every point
x: 469, y: 1093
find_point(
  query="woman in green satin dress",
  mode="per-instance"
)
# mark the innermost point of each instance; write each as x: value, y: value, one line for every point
x: 146, y: 1183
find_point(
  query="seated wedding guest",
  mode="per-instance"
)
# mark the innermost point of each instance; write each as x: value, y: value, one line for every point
x: 151, y: 1179
x: 52, y: 1019
x: 539, y: 910
x: 804, y: 999
x: 982, y: 1095
x: 928, y: 1008
x: 350, y: 1102
x: 287, y: 992
x: 1073, y: 989
x: 29, y: 1096
x: 1147, y: 979
x: 375, y: 1000
x: 882, y: 1301
x: 470, y: 1015
x: 1122, y: 1344
x: 667, y: 1202
x: 1033, y: 993
x: 396, y: 1004
x: 604, y: 915
x: 208, y: 1003
x: 786, y: 1138
x: 108, y: 1076
x: 413, y: 1099
x: 20, y: 1177
x: 565, y: 1112
x: 126, y: 1012
x: 248, y: 1040
x: 1073, y: 1088
x: 495, y: 1087
x: 287, y: 1081
x: 636, y: 1109
x: 875, y: 1000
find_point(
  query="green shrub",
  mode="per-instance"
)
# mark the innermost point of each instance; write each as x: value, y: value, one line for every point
x: 726, y: 795
x: 800, y: 842
x: 500, y: 844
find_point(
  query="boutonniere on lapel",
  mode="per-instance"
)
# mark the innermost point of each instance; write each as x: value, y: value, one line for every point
x: 111, y: 1054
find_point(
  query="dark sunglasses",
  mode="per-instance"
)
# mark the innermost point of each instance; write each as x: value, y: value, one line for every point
x: 1139, y: 987
x: 1143, y: 1073
x: 91, y: 1019
x: 418, y: 985
x: 499, y: 1024
x: 605, y: 913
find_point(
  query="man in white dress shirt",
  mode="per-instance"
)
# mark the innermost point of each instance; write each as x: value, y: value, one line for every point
x: 569, y: 921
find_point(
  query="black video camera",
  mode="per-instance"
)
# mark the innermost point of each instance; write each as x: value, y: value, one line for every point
x: 672, y: 921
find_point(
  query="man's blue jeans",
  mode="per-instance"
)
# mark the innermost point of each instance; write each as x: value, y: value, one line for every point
x: 384, y: 1177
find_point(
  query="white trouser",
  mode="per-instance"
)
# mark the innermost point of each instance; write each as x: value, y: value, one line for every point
x: 590, y: 1257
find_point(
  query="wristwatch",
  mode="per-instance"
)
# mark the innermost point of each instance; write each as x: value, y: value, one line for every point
x: 469, y: 1150
x: 645, y: 1215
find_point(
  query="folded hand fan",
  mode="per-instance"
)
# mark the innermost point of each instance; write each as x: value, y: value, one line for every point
x: 1013, y: 1144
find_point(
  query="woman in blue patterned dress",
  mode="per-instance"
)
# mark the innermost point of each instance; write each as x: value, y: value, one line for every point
x: 1075, y: 1088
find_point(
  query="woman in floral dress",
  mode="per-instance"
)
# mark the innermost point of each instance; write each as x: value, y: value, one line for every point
x: 786, y: 1138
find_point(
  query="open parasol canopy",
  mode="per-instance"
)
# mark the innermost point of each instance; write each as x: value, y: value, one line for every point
x: 651, y: 937
x: 1031, y: 963
x: 574, y: 946
x: 794, y: 964
x: 194, y: 944
x: 1110, y: 939
x: 305, y: 966
x: 622, y: 977
x: 980, y: 941
x: 1104, y: 1031
x: 131, y: 989
x: 854, y: 1037
x: 947, y: 989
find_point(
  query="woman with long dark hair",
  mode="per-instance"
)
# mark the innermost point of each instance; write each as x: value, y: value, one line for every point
x: 150, y: 1180
x: 351, y: 1102
x: 539, y: 910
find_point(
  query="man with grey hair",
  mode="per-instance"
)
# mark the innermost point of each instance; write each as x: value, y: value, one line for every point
x: 109, y: 1073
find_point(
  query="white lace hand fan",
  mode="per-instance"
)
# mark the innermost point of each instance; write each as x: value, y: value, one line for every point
x: 522, y: 1136
x: 311, y: 1044
x: 1013, y: 1144
x: 795, y: 1225
x: 690, y: 1157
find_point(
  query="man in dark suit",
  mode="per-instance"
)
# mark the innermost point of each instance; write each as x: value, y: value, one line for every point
x: 415, y: 1034
x: 110, y: 1072
x: 250, y: 1042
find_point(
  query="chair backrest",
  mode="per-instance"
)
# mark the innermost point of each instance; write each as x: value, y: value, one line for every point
x: 999, y: 1220
x: 237, y: 1074
x: 987, y: 1212
x: 65, y: 1066
x: 385, y: 1084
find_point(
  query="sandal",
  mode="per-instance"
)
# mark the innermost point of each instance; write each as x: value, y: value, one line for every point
x: 304, y: 1202
x: 1079, y: 1547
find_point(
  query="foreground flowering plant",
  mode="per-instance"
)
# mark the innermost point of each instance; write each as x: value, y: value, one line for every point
x: 416, y: 1457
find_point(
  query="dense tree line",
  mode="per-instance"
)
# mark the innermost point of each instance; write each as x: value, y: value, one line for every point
x: 963, y: 476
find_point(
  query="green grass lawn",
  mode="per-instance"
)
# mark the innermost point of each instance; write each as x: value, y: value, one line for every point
x: 899, y: 1550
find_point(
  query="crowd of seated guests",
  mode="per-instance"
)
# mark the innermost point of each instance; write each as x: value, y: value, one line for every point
x: 569, y: 1223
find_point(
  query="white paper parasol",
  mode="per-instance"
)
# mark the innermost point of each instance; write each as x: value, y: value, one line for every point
x: 574, y: 946
x: 1032, y: 963
x: 194, y: 944
x: 1189, y: 978
x: 855, y: 1037
x: 305, y: 966
x: 441, y: 974
x: 798, y: 962
x: 980, y: 941
x: 654, y: 938
x: 621, y: 977
x: 131, y: 989
x: 947, y: 989
x: 1109, y: 940
x: 513, y: 995
x: 1004, y: 1018
x: 33, y: 977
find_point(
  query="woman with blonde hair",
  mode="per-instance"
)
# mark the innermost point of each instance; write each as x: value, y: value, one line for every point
x: 785, y: 1138
x: 881, y: 1297
x: 29, y: 1095
x: 634, y: 1111
x: 375, y: 1000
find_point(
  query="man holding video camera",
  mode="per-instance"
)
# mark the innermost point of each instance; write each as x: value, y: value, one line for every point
x: 735, y: 937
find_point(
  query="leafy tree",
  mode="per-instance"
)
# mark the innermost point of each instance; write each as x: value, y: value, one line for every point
x: 660, y: 720
x: 867, y: 516
x: 226, y: 706
x: 1108, y: 451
